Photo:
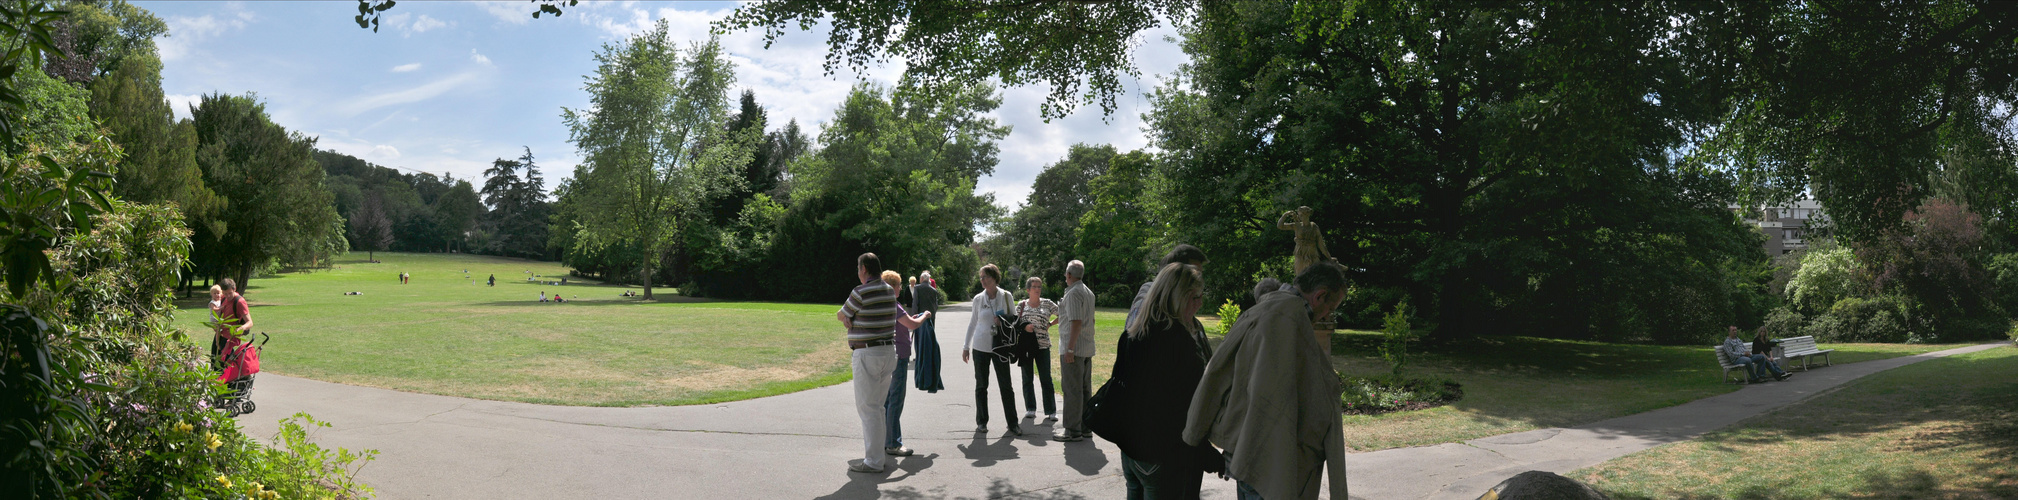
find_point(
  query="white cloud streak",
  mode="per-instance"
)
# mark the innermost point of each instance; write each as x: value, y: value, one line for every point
x: 405, y: 67
x: 424, y: 92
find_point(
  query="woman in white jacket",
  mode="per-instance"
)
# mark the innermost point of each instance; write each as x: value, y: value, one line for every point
x: 980, y: 332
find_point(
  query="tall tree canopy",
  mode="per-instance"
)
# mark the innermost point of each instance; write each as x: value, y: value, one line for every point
x: 275, y: 202
x: 655, y: 144
x: 517, y: 220
x: 1040, y: 235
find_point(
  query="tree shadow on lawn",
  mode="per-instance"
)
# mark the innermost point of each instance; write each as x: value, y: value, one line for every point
x: 1946, y: 404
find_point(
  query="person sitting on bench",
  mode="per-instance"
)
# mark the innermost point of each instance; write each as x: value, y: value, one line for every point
x: 1741, y: 353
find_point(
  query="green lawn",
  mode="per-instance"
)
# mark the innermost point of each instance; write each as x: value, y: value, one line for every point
x: 1515, y: 384
x: 446, y: 334
x: 1944, y: 428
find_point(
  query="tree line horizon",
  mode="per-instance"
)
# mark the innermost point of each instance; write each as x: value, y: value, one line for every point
x: 1543, y: 168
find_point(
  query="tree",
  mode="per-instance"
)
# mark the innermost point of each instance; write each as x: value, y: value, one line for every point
x: 370, y: 229
x: 458, y: 210
x: 654, y: 143
x: 1040, y: 235
x: 273, y: 189
x: 1860, y: 104
x: 98, y: 36
x: 894, y: 175
x: 160, y: 163
x: 1466, y: 153
x: 1114, y: 234
x: 1937, y: 259
x: 518, y: 207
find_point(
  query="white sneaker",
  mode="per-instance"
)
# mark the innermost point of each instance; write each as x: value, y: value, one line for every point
x: 1032, y: 414
x: 1050, y: 417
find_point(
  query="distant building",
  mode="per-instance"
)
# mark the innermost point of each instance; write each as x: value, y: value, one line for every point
x: 1786, y: 227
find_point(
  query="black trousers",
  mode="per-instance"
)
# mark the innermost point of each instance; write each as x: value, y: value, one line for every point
x: 982, y: 362
x: 1042, y: 367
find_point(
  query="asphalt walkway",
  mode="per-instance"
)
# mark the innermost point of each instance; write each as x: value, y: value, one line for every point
x: 797, y: 445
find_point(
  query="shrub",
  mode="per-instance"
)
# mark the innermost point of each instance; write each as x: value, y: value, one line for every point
x: 1783, y: 322
x: 1854, y: 319
x: 1395, y: 337
x: 1228, y: 313
x: 1386, y: 393
x: 1825, y: 277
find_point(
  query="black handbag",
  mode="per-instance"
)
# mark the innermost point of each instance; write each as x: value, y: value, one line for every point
x: 1104, y: 410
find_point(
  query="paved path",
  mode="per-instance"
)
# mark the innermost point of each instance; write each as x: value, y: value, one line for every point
x: 796, y: 445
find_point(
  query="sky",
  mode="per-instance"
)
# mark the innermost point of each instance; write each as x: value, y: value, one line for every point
x: 447, y: 87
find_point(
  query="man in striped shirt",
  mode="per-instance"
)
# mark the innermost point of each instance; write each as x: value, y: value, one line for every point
x: 871, y: 318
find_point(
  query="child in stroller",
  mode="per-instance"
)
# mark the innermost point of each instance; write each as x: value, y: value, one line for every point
x: 241, y: 363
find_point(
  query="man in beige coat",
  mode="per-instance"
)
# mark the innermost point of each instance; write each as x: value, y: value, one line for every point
x: 1269, y: 397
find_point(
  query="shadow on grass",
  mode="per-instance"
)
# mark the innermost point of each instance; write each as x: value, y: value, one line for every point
x: 1957, y: 416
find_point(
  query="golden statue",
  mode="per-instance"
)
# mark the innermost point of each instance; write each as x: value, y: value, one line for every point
x: 1309, y: 240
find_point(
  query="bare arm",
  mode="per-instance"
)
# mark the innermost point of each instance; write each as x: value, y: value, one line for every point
x: 842, y: 316
x: 1279, y: 224
x: 913, y: 322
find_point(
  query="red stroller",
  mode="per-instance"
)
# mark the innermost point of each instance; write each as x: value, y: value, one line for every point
x: 241, y: 364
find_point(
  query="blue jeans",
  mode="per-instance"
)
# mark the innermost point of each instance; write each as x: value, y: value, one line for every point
x: 1246, y: 492
x: 1154, y: 481
x: 893, y: 406
x: 1759, y: 365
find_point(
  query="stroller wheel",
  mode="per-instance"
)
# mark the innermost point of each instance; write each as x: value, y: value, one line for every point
x: 247, y: 407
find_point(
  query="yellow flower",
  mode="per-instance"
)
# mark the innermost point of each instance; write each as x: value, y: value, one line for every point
x: 225, y: 481
x: 270, y: 495
x: 184, y: 427
x: 214, y: 441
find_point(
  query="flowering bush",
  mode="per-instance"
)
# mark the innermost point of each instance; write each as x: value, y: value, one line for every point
x: 1386, y: 393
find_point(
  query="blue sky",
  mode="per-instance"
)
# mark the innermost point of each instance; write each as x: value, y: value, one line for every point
x: 447, y: 87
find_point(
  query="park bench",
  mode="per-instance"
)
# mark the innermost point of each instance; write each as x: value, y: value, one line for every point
x: 1724, y: 359
x: 1804, y: 348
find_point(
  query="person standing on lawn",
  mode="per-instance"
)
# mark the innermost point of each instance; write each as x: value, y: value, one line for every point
x: 926, y: 297
x: 1075, y: 360
x: 980, y: 350
x: 232, y: 312
x: 1038, y: 314
x: 871, y: 317
x: 1269, y: 398
x: 893, y: 403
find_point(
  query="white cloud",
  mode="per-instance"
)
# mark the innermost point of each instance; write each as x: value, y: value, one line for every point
x: 426, y: 23
x: 383, y: 152
x: 185, y: 31
x: 182, y: 102
x: 416, y: 94
x: 479, y: 58
x: 405, y: 67
x: 510, y: 12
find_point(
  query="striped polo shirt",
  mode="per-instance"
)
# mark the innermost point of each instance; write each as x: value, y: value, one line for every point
x: 872, y: 309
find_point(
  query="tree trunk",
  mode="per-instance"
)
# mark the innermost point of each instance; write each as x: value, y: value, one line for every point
x: 648, y: 280
x: 244, y: 277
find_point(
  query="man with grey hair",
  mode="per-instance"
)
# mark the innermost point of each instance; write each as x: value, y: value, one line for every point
x: 1075, y: 358
x: 1269, y: 397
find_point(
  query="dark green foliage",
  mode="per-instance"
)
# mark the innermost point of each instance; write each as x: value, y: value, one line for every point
x: 517, y: 222
x: 98, y: 36
x: 1114, y: 234
x: 160, y: 162
x: 895, y: 175
x: 1503, y: 167
x: 1040, y: 237
x: 275, y: 201
x: 426, y: 213
x: 1876, y: 319
x: 1936, y: 260
x: 946, y: 45
x: 1391, y: 393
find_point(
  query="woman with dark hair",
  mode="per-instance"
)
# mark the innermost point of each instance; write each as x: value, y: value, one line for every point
x: 1160, y: 360
x: 991, y: 302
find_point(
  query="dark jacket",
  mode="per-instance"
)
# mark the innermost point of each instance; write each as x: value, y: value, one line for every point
x: 1763, y: 347
x: 1162, y: 370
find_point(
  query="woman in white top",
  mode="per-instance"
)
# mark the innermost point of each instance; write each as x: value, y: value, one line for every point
x: 980, y: 331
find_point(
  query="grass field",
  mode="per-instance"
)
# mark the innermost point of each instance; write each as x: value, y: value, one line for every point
x: 446, y: 334
x: 1515, y: 384
x: 1944, y: 428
